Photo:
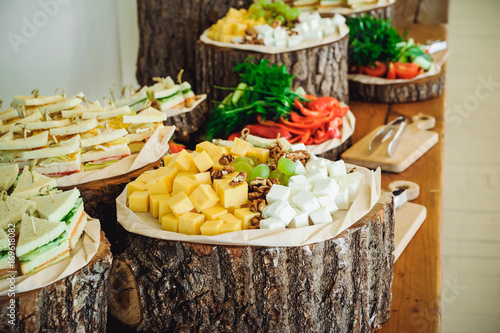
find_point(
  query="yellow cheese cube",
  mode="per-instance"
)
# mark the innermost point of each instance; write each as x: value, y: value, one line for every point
x: 186, y: 174
x: 230, y: 227
x: 154, y: 203
x: 240, y: 29
x: 145, y: 177
x: 216, y: 153
x: 240, y: 147
x: 202, y: 161
x: 232, y: 209
x: 261, y: 153
x: 205, y: 146
x: 218, y: 183
x: 157, y: 186
x: 139, y: 201
x: 228, y: 38
x: 164, y: 208
x: 166, y: 171
x: 135, y: 186
x: 226, y: 29
x: 190, y: 223
x: 180, y: 204
x: 218, y: 166
x: 214, y: 213
x: 166, y: 175
x: 211, y: 228
x: 202, y: 178
x: 233, y: 196
x: 194, y: 154
x: 230, y: 175
x: 203, y: 197
x: 170, y: 223
x: 184, y: 184
x: 229, y: 218
x: 184, y: 161
x: 167, y: 159
x: 245, y: 215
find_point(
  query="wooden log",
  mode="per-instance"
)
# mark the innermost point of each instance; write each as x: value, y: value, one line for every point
x: 414, y: 91
x: 168, y: 31
x: 382, y: 12
x: 339, y: 285
x: 76, y: 303
x: 189, y: 122
x: 321, y: 70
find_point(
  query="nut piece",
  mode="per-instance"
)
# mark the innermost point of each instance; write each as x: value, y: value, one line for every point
x: 240, y: 178
x: 227, y: 169
x: 216, y: 174
x: 226, y: 159
x: 276, y: 151
x: 258, y: 205
x: 255, y: 222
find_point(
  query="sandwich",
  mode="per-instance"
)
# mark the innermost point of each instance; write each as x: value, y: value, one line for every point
x: 30, y: 183
x: 35, y: 101
x: 360, y: 3
x: 93, y: 109
x: 332, y: 3
x: 142, y: 126
x: 306, y: 5
x: 18, y: 125
x: 167, y: 95
x: 65, y: 207
x: 41, y: 243
x: 104, y: 148
x: 65, y: 104
x: 135, y: 102
x: 5, y: 266
x: 8, y: 175
x: 12, y: 210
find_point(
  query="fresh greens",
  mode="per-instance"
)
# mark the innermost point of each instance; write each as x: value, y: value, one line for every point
x: 411, y: 52
x: 46, y: 247
x: 264, y: 90
x: 72, y: 212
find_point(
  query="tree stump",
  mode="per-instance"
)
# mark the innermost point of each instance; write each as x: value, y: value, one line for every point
x: 381, y: 12
x: 99, y: 198
x: 413, y: 91
x: 339, y: 285
x: 76, y: 303
x: 189, y: 122
x: 320, y: 70
x: 334, y: 154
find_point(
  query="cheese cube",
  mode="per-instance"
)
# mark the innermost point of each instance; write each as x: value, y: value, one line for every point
x: 164, y: 208
x: 184, y: 184
x: 338, y: 19
x: 230, y: 218
x: 278, y: 192
x: 353, y: 181
x: 186, y: 174
x: 301, y: 219
x: 139, y: 201
x: 317, y: 164
x: 245, y: 215
x: 216, y: 153
x: 230, y: 175
x: 184, y: 161
x: 203, y: 162
x: 300, y: 181
x: 169, y: 171
x: 211, y: 228
x: 233, y: 196
x: 180, y: 204
x: 214, y: 213
x: 202, y: 178
x: 328, y: 202
x: 205, y: 146
x: 203, y: 197
x: 327, y: 186
x: 135, y: 186
x: 261, y: 153
x: 154, y: 203
x: 264, y: 30
x: 218, y: 166
x: 157, y: 186
x: 190, y: 223
x: 279, y: 34
x: 317, y: 175
x: 342, y: 198
x: 305, y: 201
x: 336, y: 168
x: 230, y: 227
x: 298, y: 146
x: 279, y: 209
x: 170, y: 222
x: 167, y: 159
x: 320, y: 216
x: 218, y: 183
x: 240, y: 147
x: 272, y: 224
x: 145, y: 177
x: 295, y: 40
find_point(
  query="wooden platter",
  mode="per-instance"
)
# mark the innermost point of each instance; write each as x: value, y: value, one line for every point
x: 381, y: 11
x: 409, y: 218
x: 76, y: 303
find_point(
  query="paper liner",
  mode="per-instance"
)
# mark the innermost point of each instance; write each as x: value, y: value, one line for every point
x: 351, y: 11
x: 144, y: 224
x: 348, y: 124
x: 154, y: 149
x: 80, y: 256
x: 175, y: 112
x: 343, y: 31
x: 366, y: 79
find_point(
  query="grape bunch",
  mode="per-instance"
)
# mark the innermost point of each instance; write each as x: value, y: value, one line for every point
x: 286, y: 169
x: 276, y: 11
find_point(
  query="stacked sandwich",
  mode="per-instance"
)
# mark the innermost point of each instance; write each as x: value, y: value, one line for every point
x: 167, y: 95
x: 328, y: 4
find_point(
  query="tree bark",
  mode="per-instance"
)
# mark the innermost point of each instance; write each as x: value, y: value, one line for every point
x: 414, y: 91
x: 76, y: 303
x: 189, y: 122
x: 334, y: 154
x: 321, y: 70
x: 339, y: 285
x: 382, y: 12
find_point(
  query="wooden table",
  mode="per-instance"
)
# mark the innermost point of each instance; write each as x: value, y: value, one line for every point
x: 416, y: 300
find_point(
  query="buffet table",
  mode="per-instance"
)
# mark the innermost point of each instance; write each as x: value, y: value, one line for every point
x: 416, y: 299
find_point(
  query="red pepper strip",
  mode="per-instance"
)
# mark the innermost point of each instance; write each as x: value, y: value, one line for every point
x: 343, y: 111
x: 305, y: 137
x: 272, y: 123
x: 307, y: 112
x: 309, y: 125
x: 310, y: 97
x: 310, y: 141
x: 324, y: 104
x: 295, y: 139
x: 268, y: 132
x: 296, y: 118
x: 234, y: 135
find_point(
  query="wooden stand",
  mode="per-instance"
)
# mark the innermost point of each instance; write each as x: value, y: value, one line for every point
x: 189, y: 122
x: 414, y: 91
x: 342, y: 284
x: 76, y: 303
x: 321, y: 70
x: 382, y: 12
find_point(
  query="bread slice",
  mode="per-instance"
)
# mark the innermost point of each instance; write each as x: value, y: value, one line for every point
x: 27, y: 188
x: 124, y: 110
x: 35, y: 101
x: 52, y: 167
x: 11, y: 211
x: 18, y: 125
x: 47, y: 258
x: 114, y: 153
x: 66, y: 104
x: 150, y: 115
x: 139, y: 97
x: 65, y: 147
x: 8, y: 175
x: 60, y: 207
x: 43, y: 125
x: 80, y: 127
x: 36, y: 232
x: 35, y: 141
x: 104, y: 137
x: 4, y: 258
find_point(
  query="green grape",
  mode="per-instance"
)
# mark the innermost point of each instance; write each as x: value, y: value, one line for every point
x: 255, y: 160
x: 285, y: 179
x: 280, y: 18
x: 269, y: 20
x: 295, y: 12
x: 243, y: 166
x: 276, y: 174
x: 245, y: 159
x: 254, y: 7
x: 251, y: 17
x: 261, y: 171
x: 259, y: 13
x: 286, y: 166
x: 289, y: 15
x: 263, y: 2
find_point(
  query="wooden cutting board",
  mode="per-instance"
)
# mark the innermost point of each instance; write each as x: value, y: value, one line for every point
x: 416, y: 140
x: 409, y: 218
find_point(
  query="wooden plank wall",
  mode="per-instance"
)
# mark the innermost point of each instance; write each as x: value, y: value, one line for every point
x: 421, y: 11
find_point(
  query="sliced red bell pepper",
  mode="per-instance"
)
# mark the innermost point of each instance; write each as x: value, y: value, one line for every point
x: 175, y: 147
x: 324, y: 104
x: 307, y: 112
x: 234, y: 136
x: 391, y: 74
x: 268, y: 131
x: 305, y: 137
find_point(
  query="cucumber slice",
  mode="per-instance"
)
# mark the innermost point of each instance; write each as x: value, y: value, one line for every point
x: 238, y: 93
x: 36, y: 252
x: 422, y: 62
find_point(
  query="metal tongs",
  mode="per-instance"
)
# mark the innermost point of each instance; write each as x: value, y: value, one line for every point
x: 394, y: 131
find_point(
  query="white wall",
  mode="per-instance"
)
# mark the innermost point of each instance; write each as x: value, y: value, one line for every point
x: 72, y: 44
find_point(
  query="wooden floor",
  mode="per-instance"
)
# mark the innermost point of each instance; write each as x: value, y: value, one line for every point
x: 471, y: 232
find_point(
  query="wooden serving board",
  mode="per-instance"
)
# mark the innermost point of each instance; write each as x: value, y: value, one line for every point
x: 409, y: 218
x: 415, y: 142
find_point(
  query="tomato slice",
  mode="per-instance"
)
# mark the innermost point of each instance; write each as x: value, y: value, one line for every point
x: 391, y: 74
x: 406, y: 70
x: 378, y: 70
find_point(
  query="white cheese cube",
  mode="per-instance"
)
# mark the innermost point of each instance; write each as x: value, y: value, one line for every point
x: 330, y: 31
x: 336, y: 168
x: 264, y: 30
x: 278, y: 192
x: 326, y: 187
x: 342, y: 198
x: 298, y: 146
x: 313, y: 23
x: 314, y: 16
x: 303, y: 16
x: 338, y: 19
x: 279, y: 34
x: 302, y: 28
x: 238, y: 40
x: 268, y: 41
x: 294, y: 41
x: 279, y: 209
x: 300, y: 181
x: 326, y: 22
x: 328, y: 202
x: 305, y: 201
x: 353, y: 182
x: 300, y: 169
x: 319, y: 163
x: 272, y: 224
x: 301, y: 219
x: 280, y: 42
x: 317, y: 175
x: 313, y: 34
x: 320, y: 215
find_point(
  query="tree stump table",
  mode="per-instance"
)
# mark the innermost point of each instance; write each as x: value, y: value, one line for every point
x: 339, y: 285
x: 76, y: 303
x: 383, y: 11
x: 189, y: 122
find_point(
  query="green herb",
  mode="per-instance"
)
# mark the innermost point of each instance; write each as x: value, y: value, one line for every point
x: 72, y: 212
